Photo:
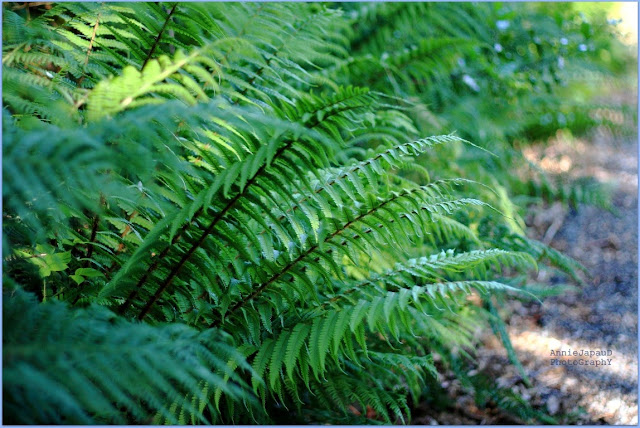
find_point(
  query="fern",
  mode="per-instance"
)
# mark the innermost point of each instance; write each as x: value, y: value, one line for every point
x: 256, y: 185
x: 88, y: 366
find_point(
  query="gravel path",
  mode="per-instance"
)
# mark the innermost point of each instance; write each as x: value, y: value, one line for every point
x: 600, y: 315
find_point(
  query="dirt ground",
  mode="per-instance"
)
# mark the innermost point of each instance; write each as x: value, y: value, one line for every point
x: 599, y: 315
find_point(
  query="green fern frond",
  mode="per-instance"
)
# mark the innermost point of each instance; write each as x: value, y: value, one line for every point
x: 256, y: 174
x: 61, y: 362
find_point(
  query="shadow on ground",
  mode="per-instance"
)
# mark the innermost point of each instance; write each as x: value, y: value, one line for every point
x: 600, y: 315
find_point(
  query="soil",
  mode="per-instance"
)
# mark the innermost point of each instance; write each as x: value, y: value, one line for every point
x: 599, y: 315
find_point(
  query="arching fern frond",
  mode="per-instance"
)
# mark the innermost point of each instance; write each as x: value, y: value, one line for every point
x: 91, y: 367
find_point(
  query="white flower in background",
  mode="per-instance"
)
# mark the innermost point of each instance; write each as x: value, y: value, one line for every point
x: 564, y: 41
x: 582, y: 47
x: 560, y: 62
x: 470, y: 82
x: 497, y: 47
x: 502, y: 24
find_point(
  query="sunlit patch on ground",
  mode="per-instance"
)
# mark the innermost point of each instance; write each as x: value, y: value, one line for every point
x: 628, y: 13
x: 577, y: 158
x: 601, y: 314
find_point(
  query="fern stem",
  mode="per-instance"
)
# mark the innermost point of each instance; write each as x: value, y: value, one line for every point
x: 210, y: 228
x: 155, y: 264
x: 176, y: 268
x: 159, y: 36
x: 184, y: 228
x: 94, y: 232
x: 6, y: 57
x: 92, y: 239
x: 93, y: 37
x: 121, y: 247
x: 311, y: 249
x: 314, y: 247
x: 30, y: 4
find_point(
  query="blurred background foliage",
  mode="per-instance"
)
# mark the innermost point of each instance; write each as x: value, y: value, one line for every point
x: 503, y: 75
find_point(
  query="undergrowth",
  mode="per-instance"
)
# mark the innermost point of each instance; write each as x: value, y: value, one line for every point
x: 261, y: 212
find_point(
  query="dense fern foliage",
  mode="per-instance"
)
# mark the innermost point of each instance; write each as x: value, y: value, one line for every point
x: 253, y: 213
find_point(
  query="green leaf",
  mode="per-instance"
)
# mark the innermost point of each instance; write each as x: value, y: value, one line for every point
x: 297, y: 339
x: 48, y: 263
